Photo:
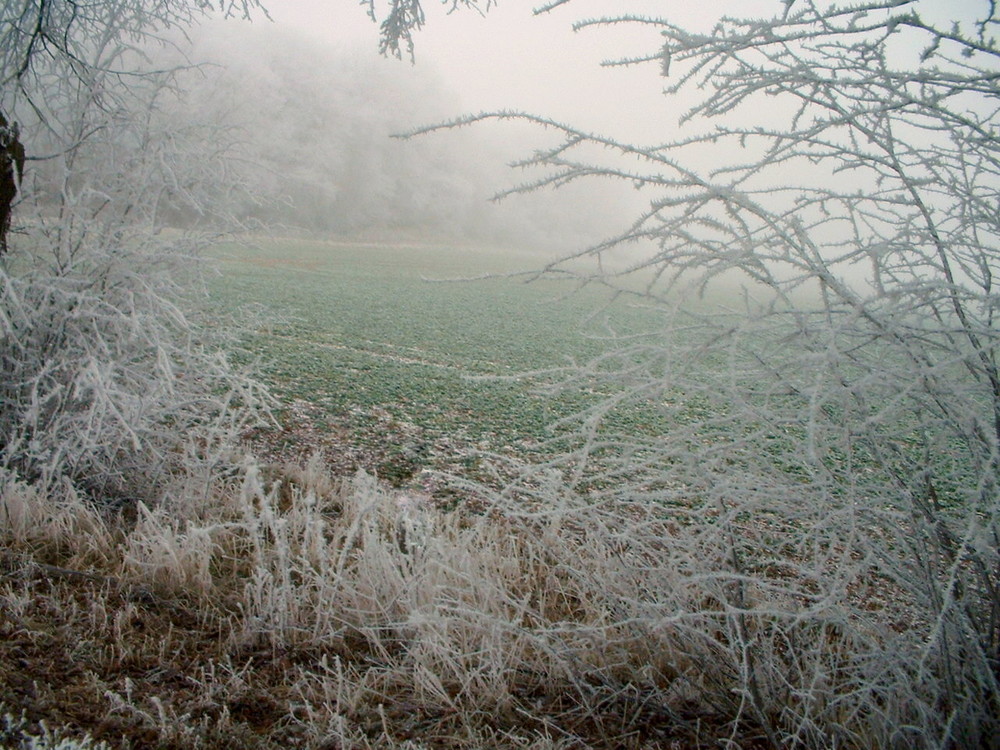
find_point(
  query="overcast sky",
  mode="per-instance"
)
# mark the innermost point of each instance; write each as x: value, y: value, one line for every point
x: 512, y: 59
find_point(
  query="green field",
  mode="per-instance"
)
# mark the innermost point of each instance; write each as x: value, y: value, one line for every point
x: 413, y: 372
x: 382, y: 364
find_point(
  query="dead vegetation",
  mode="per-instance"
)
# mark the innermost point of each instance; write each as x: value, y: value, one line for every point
x: 308, y: 611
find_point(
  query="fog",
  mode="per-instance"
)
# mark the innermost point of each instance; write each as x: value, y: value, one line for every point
x: 317, y: 107
x: 313, y: 110
x: 315, y: 115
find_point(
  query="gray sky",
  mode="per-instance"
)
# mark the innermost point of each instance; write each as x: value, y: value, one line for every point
x: 511, y: 59
x: 514, y: 60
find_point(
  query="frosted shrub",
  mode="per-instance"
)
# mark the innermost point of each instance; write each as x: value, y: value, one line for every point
x: 104, y: 378
x: 822, y: 248
x: 106, y: 382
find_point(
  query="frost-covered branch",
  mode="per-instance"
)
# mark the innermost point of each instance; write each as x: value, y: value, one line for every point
x: 818, y: 252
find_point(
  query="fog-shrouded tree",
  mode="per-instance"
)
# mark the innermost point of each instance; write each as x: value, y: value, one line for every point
x: 35, y: 33
x: 815, y: 412
x: 314, y: 124
x: 399, y: 19
x: 42, y: 40
x: 107, y: 382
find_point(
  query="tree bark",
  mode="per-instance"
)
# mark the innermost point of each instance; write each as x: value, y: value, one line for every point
x: 11, y: 173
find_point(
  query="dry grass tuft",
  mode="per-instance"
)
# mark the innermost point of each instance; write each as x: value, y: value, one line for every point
x: 293, y: 609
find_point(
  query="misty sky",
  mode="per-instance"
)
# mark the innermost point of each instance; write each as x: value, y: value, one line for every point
x: 512, y: 59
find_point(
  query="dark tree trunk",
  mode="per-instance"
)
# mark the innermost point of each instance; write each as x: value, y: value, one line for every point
x: 11, y: 172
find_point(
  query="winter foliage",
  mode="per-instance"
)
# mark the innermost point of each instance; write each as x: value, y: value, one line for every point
x: 107, y: 383
x: 837, y: 418
x: 809, y: 556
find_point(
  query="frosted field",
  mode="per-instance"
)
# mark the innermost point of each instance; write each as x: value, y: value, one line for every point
x: 363, y: 339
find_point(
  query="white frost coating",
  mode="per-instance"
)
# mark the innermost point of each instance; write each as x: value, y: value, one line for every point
x: 823, y: 240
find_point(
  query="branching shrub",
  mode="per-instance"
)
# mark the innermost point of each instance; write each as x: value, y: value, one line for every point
x: 107, y: 379
x: 822, y: 245
x: 105, y: 382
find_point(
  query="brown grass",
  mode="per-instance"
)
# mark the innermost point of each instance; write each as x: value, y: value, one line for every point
x: 308, y: 611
